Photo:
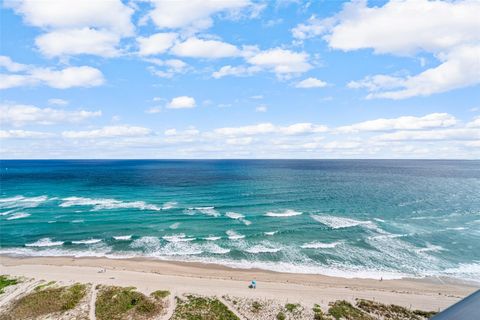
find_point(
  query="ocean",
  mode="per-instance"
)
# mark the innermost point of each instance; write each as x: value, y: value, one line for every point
x: 349, y: 218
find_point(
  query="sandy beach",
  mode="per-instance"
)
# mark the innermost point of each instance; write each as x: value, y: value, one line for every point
x: 215, y: 280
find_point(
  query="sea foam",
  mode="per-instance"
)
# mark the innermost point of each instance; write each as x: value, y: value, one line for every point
x: 18, y: 215
x: 283, y: 214
x: 107, y: 204
x: 339, y: 222
x: 319, y: 245
x: 232, y: 235
x: 44, y: 242
x: 88, y: 241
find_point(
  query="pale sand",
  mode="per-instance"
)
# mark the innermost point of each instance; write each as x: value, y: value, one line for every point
x: 209, y: 279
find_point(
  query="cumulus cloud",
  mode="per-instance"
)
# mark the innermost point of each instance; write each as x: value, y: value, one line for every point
x: 194, y: 15
x: 444, y: 29
x: 58, y: 102
x: 182, y: 102
x: 284, y: 63
x: 23, y: 134
x: 83, y: 76
x: 10, y: 65
x: 432, y: 135
x: 269, y: 128
x: 78, y: 41
x: 311, y: 83
x: 108, y: 132
x: 76, y: 27
x: 433, y: 120
x: 261, y: 108
x: 201, y: 48
x: 19, y: 114
x: 156, y: 43
x: 169, y: 67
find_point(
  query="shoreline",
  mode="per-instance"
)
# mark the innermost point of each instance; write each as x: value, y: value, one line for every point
x: 212, y: 279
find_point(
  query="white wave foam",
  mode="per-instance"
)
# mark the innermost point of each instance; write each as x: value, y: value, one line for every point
x: 339, y: 222
x: 88, y: 241
x: 177, y: 238
x: 45, y: 242
x: 78, y: 221
x: 319, y: 245
x: 212, y: 238
x: 21, y: 202
x: 234, y: 215
x: 209, y: 211
x: 430, y: 247
x: 214, y: 248
x: 169, y: 205
x: 262, y: 249
x: 18, y: 215
x: 239, y: 217
x: 107, y: 204
x: 283, y: 214
x: 174, y: 225
x: 123, y: 238
x: 6, y: 213
x: 148, y: 244
x: 232, y: 235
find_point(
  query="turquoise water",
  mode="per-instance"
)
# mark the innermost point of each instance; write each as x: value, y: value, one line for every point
x: 368, y: 218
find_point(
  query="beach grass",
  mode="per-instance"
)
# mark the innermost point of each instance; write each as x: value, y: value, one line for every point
x: 47, y: 301
x: 342, y: 309
x: 115, y: 303
x: 199, y: 308
x: 160, y: 294
x: 44, y: 285
x: 392, y: 311
x: 5, y: 281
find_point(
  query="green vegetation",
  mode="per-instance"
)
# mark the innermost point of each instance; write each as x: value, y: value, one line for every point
x: 5, y: 282
x: 291, y: 307
x: 202, y: 308
x: 281, y: 316
x: 43, y: 286
x: 160, y: 294
x: 392, y: 311
x: 318, y: 313
x: 116, y: 303
x: 43, y: 302
x: 256, y: 306
x: 342, y: 309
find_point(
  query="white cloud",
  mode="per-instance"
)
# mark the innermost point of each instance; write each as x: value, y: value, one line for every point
x: 22, y: 134
x: 58, y: 102
x: 78, y: 41
x: 235, y: 71
x: 108, y: 132
x: 433, y: 120
x: 269, y: 128
x: 432, y: 135
x: 311, y: 83
x: 82, y: 76
x: 192, y: 15
x: 69, y: 77
x: 112, y: 14
x: 19, y: 114
x: 459, y: 68
x: 475, y: 123
x: 192, y: 131
x: 261, y: 108
x: 156, y: 43
x: 342, y: 145
x: 281, y: 61
x: 200, y: 48
x: 77, y: 27
x: 446, y: 29
x: 9, y: 65
x: 170, y: 67
x: 240, y: 141
x: 182, y: 102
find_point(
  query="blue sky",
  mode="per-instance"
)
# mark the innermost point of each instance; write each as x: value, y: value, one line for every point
x: 240, y: 79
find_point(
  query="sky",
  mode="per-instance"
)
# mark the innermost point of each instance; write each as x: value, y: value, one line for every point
x: 239, y: 79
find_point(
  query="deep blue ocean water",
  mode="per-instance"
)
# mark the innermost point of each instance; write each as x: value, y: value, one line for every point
x: 354, y: 218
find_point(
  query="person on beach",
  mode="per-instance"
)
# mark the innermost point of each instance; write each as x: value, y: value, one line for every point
x: 254, y: 284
